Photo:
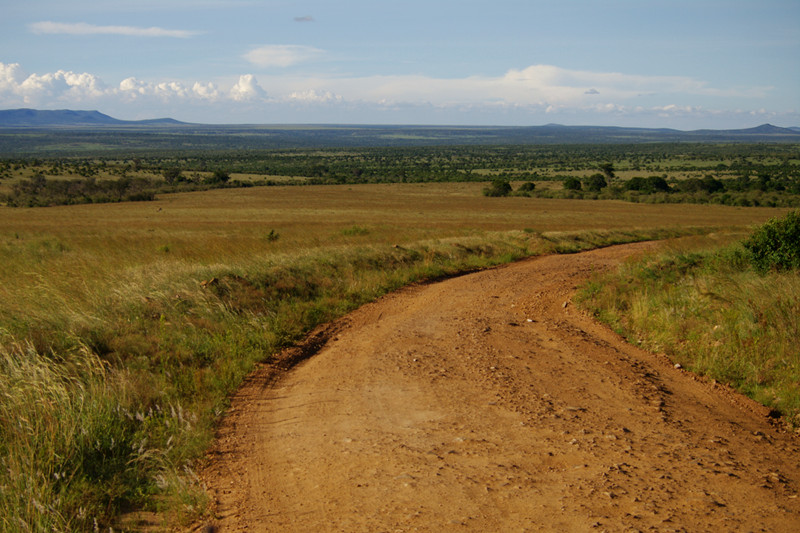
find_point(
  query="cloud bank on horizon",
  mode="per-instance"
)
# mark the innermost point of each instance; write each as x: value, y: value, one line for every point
x: 403, y: 69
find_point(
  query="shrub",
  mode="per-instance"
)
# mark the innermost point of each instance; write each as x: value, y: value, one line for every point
x: 572, y: 184
x: 219, y: 176
x: 595, y: 182
x: 172, y: 175
x: 500, y: 187
x: 776, y: 244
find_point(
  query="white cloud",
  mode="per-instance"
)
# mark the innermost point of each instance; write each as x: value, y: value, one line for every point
x: 314, y: 96
x: 10, y: 76
x: 81, y: 28
x: 247, y: 89
x: 134, y: 89
x: 281, y: 55
x: 206, y: 91
x: 61, y: 85
x: 535, y: 93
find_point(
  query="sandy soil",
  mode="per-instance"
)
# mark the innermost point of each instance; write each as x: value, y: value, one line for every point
x: 489, y: 403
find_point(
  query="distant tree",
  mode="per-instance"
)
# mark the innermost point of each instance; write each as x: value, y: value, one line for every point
x: 219, y: 176
x: 712, y: 184
x: 500, y: 187
x: 657, y: 184
x: 527, y: 186
x: 572, y: 184
x: 172, y: 175
x: 608, y: 170
x: 595, y: 182
x: 648, y: 185
x: 708, y: 184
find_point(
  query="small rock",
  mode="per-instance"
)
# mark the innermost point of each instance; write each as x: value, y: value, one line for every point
x: 678, y: 366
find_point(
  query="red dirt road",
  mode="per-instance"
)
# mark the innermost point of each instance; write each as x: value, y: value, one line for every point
x: 484, y: 403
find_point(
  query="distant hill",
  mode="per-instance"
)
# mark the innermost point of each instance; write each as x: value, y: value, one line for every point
x: 62, y: 126
x: 67, y: 117
x: 764, y: 129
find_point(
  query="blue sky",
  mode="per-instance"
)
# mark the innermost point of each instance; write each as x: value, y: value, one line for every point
x: 685, y: 64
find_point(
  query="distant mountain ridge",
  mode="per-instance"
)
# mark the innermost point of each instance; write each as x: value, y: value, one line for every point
x: 61, y: 122
x: 68, y: 117
x: 764, y: 129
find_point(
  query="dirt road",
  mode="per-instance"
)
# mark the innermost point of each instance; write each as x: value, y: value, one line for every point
x: 488, y: 403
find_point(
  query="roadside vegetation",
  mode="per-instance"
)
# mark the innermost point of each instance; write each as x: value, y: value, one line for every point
x: 729, y: 312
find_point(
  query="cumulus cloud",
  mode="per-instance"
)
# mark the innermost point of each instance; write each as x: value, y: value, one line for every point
x: 247, y: 89
x: 10, y: 76
x: 281, y: 55
x: 81, y: 28
x: 71, y: 88
x: 61, y: 85
x: 314, y: 96
x: 134, y: 89
x: 206, y: 91
x: 548, y: 92
x: 538, y: 85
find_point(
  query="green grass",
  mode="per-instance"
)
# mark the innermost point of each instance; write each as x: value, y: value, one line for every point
x: 710, y: 310
x: 124, y: 328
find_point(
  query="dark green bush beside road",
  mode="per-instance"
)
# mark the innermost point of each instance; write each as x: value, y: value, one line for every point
x: 776, y: 244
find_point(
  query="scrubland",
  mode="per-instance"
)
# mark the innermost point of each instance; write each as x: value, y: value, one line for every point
x: 124, y: 327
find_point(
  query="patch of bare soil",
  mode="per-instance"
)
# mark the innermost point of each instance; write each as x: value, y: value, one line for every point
x: 489, y: 403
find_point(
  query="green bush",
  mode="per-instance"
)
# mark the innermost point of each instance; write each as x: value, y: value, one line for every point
x: 595, y: 182
x: 776, y: 244
x: 572, y: 184
x: 500, y: 187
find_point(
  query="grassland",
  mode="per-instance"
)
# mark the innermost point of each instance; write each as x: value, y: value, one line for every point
x: 708, y: 304
x: 125, y: 326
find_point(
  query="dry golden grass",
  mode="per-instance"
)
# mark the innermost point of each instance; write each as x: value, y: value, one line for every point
x: 301, y: 214
x: 52, y: 256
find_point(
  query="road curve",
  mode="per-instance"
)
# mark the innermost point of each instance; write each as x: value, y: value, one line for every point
x: 487, y: 402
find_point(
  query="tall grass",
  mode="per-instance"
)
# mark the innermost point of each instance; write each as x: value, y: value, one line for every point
x: 67, y: 445
x: 710, y: 310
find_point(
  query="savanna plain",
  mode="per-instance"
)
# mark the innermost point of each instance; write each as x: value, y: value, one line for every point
x: 125, y: 327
